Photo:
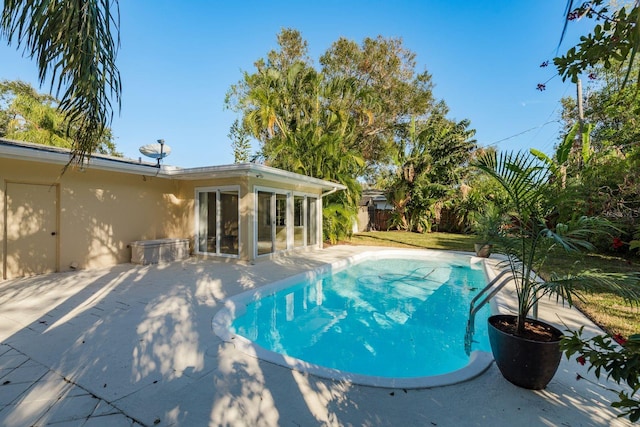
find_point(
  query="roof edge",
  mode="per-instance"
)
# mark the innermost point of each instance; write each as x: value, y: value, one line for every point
x: 20, y: 150
x: 248, y: 169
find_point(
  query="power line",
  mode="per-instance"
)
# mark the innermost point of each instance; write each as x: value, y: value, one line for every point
x: 550, y: 143
x: 539, y: 127
x: 558, y: 104
x: 523, y: 132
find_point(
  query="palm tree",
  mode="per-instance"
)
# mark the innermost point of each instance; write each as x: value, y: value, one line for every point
x: 307, y: 124
x: 73, y: 45
x: 533, y: 234
x: 429, y: 155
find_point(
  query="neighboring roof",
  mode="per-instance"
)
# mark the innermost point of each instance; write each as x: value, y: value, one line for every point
x: 56, y: 155
x: 374, y: 193
x: 371, y: 196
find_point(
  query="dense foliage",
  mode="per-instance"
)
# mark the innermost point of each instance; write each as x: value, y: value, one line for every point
x: 26, y: 115
x: 74, y: 47
x: 602, y: 169
x: 430, y: 155
x: 350, y: 119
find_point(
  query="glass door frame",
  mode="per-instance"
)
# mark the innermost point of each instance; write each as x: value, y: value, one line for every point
x: 217, y: 190
x: 290, y: 212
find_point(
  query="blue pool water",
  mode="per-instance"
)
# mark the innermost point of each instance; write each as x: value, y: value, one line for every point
x: 390, y: 318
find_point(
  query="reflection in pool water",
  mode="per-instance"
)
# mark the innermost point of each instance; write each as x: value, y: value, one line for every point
x: 402, y: 316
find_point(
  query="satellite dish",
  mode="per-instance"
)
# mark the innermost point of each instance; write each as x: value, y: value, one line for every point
x: 156, y: 151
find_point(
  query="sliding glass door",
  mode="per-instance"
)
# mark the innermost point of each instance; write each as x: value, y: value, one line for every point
x: 217, y: 221
x: 264, y: 224
x: 285, y: 221
x: 281, y: 242
x: 299, y: 230
x: 312, y: 220
x: 229, y: 219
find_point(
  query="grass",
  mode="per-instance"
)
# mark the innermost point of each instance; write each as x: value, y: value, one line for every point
x: 609, y: 311
x: 449, y: 241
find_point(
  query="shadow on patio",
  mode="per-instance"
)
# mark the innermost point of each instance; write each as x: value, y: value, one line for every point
x: 140, y: 339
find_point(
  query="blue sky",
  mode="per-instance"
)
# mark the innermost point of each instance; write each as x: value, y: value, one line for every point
x: 178, y: 59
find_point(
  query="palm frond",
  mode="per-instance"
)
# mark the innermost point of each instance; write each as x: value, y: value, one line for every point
x: 567, y: 9
x: 73, y: 44
x: 624, y: 285
x: 575, y: 235
x: 522, y: 176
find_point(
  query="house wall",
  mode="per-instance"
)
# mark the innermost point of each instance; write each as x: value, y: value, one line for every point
x: 100, y: 213
x: 187, y: 192
x: 247, y: 205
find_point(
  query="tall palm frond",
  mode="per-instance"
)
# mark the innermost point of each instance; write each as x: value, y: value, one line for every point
x: 72, y: 43
x: 523, y: 177
x: 624, y: 285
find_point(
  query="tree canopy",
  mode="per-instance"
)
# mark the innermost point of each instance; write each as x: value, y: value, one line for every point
x: 26, y: 115
x: 380, y: 89
x: 430, y: 156
x: 385, y: 69
x: 240, y: 142
x: 349, y: 118
x: 74, y: 47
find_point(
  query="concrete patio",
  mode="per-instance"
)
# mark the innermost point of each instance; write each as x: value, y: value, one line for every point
x: 133, y: 345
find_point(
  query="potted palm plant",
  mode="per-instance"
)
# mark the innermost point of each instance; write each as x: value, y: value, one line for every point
x: 486, y: 226
x: 526, y: 350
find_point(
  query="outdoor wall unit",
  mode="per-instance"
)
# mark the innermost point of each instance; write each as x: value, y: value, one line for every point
x: 159, y: 251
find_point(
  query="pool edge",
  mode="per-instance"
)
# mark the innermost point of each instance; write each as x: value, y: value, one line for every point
x: 479, y: 361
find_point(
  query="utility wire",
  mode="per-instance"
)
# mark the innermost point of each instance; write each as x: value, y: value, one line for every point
x: 558, y: 104
x: 522, y: 133
x: 539, y: 127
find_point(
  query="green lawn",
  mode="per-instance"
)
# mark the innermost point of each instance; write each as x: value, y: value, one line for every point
x: 607, y: 310
x: 458, y: 242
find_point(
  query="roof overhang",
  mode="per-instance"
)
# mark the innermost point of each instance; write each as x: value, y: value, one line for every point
x: 19, y: 150
x: 249, y: 170
x: 60, y: 156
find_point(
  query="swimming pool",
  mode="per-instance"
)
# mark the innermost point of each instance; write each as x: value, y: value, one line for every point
x: 393, y: 318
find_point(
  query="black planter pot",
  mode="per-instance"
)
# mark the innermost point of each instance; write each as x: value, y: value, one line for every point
x: 525, y: 363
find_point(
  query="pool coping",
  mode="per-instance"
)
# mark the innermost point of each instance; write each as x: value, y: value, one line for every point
x: 479, y: 361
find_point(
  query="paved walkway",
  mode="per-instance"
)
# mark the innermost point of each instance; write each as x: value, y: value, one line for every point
x: 133, y: 346
x: 31, y: 394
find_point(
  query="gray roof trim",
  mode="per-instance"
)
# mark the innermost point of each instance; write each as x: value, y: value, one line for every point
x: 56, y: 155
x: 20, y: 150
x: 249, y: 169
